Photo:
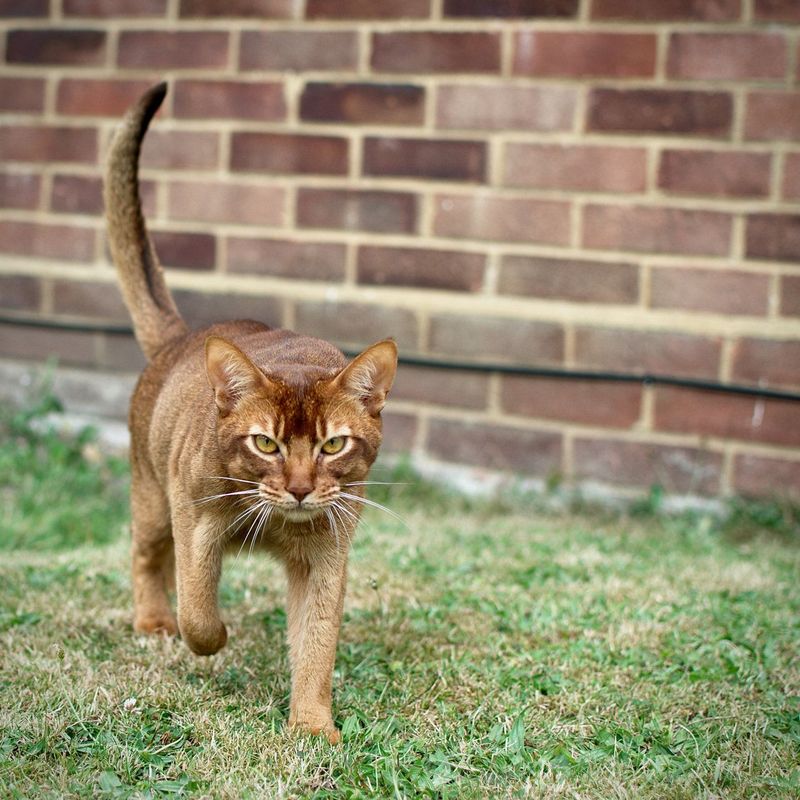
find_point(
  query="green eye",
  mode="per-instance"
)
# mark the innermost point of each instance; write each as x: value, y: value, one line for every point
x: 334, y: 445
x: 265, y: 444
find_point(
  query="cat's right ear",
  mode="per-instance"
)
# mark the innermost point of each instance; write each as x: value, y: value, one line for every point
x: 231, y: 374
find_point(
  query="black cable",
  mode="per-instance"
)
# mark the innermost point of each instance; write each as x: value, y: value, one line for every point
x: 647, y: 379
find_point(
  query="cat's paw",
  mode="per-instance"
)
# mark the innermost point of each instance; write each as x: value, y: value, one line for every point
x: 316, y: 726
x: 204, y: 637
x: 164, y: 624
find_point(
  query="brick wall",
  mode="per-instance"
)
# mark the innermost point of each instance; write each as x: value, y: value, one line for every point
x: 588, y: 184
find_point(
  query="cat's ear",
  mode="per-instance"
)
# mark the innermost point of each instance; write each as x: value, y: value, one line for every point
x: 370, y: 375
x: 231, y: 374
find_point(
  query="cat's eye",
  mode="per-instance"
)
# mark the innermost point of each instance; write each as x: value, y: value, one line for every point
x: 265, y: 444
x: 334, y: 445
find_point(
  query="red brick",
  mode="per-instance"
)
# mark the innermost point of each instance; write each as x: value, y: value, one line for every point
x: 19, y: 190
x: 52, y: 46
x: 790, y: 295
x: 515, y: 341
x: 114, y: 8
x: 98, y: 98
x: 173, y: 49
x: 180, y: 150
x: 572, y: 54
x: 363, y: 103
x: 89, y: 299
x: 36, y: 344
x: 399, y: 432
x: 715, y: 174
x: 21, y: 94
x: 24, y: 8
x: 587, y: 402
x: 121, y: 352
x: 791, y: 177
x: 436, y: 159
x: 686, y: 470
x: 773, y: 237
x: 662, y: 111
x: 300, y: 51
x: 654, y: 352
x: 229, y: 100
x: 484, y: 216
x: 286, y: 153
x: 510, y: 8
x: 303, y: 261
x: 83, y: 194
x: 433, y: 51
x: 500, y: 447
x: 776, y: 11
x: 767, y: 361
x: 355, y: 210
x: 429, y: 269
x: 239, y: 203
x: 357, y: 323
x: 579, y: 168
x: 41, y: 240
x: 502, y: 107
x: 772, y: 116
x: 255, y: 9
x: 196, y: 251
x: 20, y: 292
x: 717, y: 291
x: 727, y: 416
x: 368, y: 9
x: 444, y: 387
x: 201, y: 308
x: 668, y: 10
x: 759, y: 476
x: 644, y: 229
x: 569, y: 279
x: 727, y: 56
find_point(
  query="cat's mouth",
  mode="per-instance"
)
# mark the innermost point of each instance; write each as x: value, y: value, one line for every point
x: 300, y: 513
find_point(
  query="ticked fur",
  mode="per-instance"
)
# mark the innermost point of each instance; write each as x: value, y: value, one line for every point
x: 241, y: 436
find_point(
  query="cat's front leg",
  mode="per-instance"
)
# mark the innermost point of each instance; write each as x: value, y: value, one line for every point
x: 198, y: 564
x: 314, y: 613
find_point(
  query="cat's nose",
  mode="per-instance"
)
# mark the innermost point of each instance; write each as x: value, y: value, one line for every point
x: 299, y: 494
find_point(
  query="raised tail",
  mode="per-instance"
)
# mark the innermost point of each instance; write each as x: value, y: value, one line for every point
x: 156, y: 319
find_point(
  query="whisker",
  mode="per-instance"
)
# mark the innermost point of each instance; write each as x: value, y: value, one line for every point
x: 211, y: 497
x: 335, y: 528
x: 235, y: 480
x: 356, y: 498
x: 347, y: 511
x: 378, y: 483
x: 260, y: 506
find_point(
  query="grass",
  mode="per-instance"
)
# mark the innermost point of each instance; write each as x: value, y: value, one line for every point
x: 490, y: 649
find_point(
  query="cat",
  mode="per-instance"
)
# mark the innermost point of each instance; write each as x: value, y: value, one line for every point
x: 239, y: 433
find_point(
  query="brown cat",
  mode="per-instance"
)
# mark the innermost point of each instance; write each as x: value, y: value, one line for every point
x: 243, y: 435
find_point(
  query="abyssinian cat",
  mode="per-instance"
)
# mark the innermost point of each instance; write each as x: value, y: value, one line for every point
x: 239, y: 433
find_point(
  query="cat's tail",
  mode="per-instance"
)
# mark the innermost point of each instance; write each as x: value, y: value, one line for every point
x: 156, y: 320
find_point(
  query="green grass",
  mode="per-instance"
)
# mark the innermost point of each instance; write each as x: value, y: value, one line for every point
x: 489, y: 649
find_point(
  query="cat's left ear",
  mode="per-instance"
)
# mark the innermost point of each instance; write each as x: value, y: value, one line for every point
x: 370, y: 375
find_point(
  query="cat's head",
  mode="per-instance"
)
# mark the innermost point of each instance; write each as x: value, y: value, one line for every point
x: 301, y: 435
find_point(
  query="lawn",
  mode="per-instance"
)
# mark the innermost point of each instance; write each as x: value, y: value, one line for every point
x: 489, y: 649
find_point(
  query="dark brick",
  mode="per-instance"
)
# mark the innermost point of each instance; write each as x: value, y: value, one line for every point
x: 717, y: 291
x: 42, y: 240
x: 180, y: 150
x: 662, y: 111
x: 767, y: 361
x: 44, y: 143
x: 791, y: 177
x: 433, y: 51
x: 759, y: 476
x: 24, y: 8
x: 308, y: 261
x: 399, y: 432
x: 727, y: 416
x: 286, y: 153
x: 20, y: 292
x: 516, y: 341
x: 121, y: 352
x: 715, y: 174
x: 19, y: 190
x: 363, y: 103
x: 612, y: 405
x: 22, y: 94
x: 229, y: 100
x: 668, y: 10
x: 196, y: 251
x: 790, y: 295
x: 641, y: 351
x: 568, y: 279
x: 239, y: 203
x: 89, y: 299
x: 412, y: 266
x: 572, y: 54
x: 776, y: 11
x: 727, y: 56
x: 83, y: 194
x: 368, y: 9
x: 98, y: 98
x: 511, y: 8
x: 444, y: 387
x: 436, y: 159
x: 171, y: 49
x: 36, y: 344
x: 50, y: 46
x: 773, y: 237
x: 300, y: 51
x: 645, y: 229
x: 643, y: 464
x: 772, y: 116
x: 255, y: 9
x: 500, y: 447
x: 200, y: 309
x: 356, y: 210
x: 357, y: 323
x: 114, y: 8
